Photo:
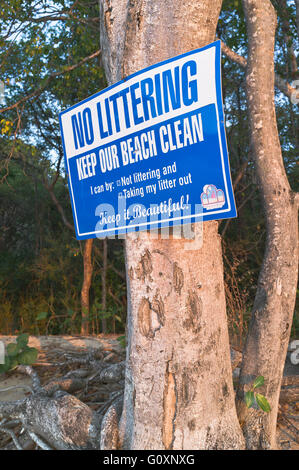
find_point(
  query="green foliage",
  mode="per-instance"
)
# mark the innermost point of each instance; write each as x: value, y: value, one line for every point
x: 259, y: 381
x: 249, y: 399
x: 262, y: 402
x: 40, y: 261
x: 42, y: 316
x: 18, y: 353
x: 39, y: 56
x: 252, y: 398
x: 122, y: 341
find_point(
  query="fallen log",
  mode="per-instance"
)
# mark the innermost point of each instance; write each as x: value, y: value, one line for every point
x: 62, y: 421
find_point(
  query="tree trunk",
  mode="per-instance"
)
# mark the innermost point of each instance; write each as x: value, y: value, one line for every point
x: 291, y: 62
x: 178, y: 392
x: 270, y: 327
x: 87, y: 263
x: 297, y: 16
x: 104, y: 284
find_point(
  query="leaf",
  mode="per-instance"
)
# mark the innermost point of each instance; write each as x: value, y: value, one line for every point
x: 5, y: 367
x: 259, y: 381
x: 22, y: 340
x: 122, y: 341
x: 13, y: 363
x: 28, y: 356
x: 121, y: 338
x: 42, y: 316
x: 12, y: 349
x: 263, y: 403
x: 249, y: 398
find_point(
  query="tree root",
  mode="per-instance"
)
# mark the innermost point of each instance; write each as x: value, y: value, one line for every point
x: 55, y: 419
x: 109, y: 427
x: 62, y: 421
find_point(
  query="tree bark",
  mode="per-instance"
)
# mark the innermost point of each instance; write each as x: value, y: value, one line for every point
x: 270, y: 327
x: 178, y: 390
x: 88, y: 269
x: 292, y: 68
x: 104, y: 283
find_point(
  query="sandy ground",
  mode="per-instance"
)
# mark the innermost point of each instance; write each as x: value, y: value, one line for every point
x: 14, y: 380
x: 51, y: 349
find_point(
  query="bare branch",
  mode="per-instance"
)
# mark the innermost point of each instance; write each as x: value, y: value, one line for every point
x: 232, y: 55
x: 14, y: 387
x: 33, y: 375
x: 44, y: 19
x: 288, y: 40
x: 38, y: 441
x: 50, y: 189
x: 280, y: 83
x: 13, y: 436
x: 99, y: 254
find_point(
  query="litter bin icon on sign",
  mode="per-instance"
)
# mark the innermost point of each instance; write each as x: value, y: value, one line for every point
x: 212, y: 198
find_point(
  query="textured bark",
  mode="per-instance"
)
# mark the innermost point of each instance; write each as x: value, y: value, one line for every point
x: 104, y: 283
x: 280, y: 83
x: 62, y: 421
x: 109, y: 427
x: 270, y: 327
x: 87, y: 263
x: 178, y: 387
x: 178, y: 391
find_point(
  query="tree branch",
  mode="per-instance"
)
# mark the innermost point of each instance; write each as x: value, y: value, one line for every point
x: 122, y: 275
x: 52, y: 76
x: 13, y: 437
x: 39, y: 441
x: 50, y: 189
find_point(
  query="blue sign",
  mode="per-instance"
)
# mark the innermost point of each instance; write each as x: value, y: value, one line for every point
x: 150, y: 151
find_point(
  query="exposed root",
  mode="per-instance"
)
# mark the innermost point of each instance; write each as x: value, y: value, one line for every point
x: 39, y: 441
x: 52, y: 418
x: 15, y: 387
x: 13, y: 437
x: 109, y: 427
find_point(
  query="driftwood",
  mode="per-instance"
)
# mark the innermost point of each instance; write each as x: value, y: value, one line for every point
x: 81, y: 409
x: 61, y: 421
x: 290, y: 389
x: 52, y: 418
